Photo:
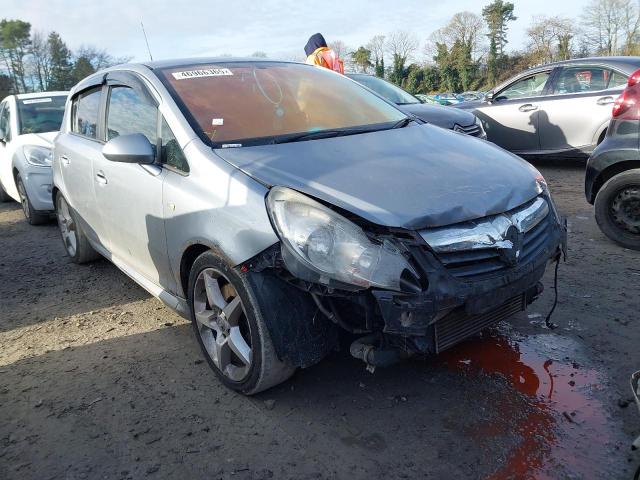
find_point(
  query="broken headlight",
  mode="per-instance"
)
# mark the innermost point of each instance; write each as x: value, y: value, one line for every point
x: 36, y: 155
x: 322, y: 246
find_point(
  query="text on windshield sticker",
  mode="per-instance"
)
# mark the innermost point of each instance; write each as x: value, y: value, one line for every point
x: 206, y: 72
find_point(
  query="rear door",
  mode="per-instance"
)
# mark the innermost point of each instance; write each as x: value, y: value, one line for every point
x: 511, y: 118
x: 579, y: 106
x: 130, y: 195
x: 76, y: 150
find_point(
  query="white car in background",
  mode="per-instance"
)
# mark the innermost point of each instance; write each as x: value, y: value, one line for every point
x: 28, y: 124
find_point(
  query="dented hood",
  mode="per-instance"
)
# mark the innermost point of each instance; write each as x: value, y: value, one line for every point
x: 414, y: 177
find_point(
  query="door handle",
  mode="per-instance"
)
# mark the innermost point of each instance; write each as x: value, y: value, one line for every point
x: 605, y: 101
x: 528, y: 107
x: 65, y: 160
x: 100, y: 178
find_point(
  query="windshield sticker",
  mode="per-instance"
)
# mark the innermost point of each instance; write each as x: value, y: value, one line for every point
x: 207, y: 72
x: 37, y: 100
x: 217, y: 122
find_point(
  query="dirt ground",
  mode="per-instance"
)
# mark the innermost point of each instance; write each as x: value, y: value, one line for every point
x: 100, y: 380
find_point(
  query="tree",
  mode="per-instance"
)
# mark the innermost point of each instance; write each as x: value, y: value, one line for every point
x: 401, y: 45
x: 15, y: 42
x: 376, y: 46
x: 259, y: 54
x: 550, y: 39
x: 6, y: 85
x: 611, y: 27
x: 362, y: 59
x: 497, y: 14
x: 464, y: 27
x: 61, y: 66
x: 40, y: 61
x: 82, y: 68
x: 99, y: 58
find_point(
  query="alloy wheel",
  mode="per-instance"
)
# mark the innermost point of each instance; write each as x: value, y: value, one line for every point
x: 67, y: 226
x: 222, y: 324
x: 625, y: 209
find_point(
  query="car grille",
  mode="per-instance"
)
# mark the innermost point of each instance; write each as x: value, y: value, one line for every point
x: 473, y: 130
x: 458, y: 325
x: 473, y: 263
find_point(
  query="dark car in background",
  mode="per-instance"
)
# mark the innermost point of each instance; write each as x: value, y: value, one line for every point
x: 460, y: 121
x: 559, y: 109
x: 612, y: 180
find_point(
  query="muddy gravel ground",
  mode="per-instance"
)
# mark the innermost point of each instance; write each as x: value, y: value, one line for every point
x: 100, y: 380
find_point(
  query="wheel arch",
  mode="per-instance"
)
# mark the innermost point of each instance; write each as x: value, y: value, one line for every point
x: 610, y: 172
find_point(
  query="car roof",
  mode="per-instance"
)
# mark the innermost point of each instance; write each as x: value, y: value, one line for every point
x: 624, y: 63
x: 183, y: 62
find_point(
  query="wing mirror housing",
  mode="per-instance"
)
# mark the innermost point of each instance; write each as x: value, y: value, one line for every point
x: 489, y: 97
x: 134, y: 148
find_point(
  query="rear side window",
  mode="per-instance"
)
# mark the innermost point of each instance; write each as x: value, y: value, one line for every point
x: 128, y: 113
x: 85, y: 112
x: 586, y: 79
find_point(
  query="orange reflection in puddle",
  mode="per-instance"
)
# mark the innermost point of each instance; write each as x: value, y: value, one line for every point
x: 559, y: 426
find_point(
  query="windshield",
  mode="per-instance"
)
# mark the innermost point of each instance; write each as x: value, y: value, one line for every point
x: 386, y: 90
x: 247, y: 103
x: 41, y: 114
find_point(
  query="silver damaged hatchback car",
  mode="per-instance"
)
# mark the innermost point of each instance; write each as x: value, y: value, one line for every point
x: 278, y: 205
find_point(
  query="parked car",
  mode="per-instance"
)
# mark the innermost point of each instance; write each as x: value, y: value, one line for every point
x: 437, y: 115
x: 28, y: 123
x: 612, y: 179
x: 275, y: 203
x: 428, y: 99
x: 446, y: 99
x: 559, y: 109
x: 470, y: 96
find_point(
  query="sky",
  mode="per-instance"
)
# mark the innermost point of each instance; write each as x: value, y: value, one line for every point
x: 240, y: 27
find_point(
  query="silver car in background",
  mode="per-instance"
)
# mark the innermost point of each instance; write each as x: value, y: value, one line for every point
x: 276, y: 204
x: 559, y: 109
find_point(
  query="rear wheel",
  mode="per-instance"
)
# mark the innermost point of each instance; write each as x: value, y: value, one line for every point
x: 33, y: 216
x: 229, y: 327
x: 618, y: 209
x: 75, y: 241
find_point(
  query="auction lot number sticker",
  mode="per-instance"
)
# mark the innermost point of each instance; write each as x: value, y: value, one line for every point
x: 205, y: 72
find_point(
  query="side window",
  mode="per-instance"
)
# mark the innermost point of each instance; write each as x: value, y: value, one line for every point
x: 128, y: 113
x: 532, y: 86
x: 172, y: 154
x: 85, y: 111
x: 617, y: 80
x: 5, y: 122
x: 583, y: 79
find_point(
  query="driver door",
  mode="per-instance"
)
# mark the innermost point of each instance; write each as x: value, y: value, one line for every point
x: 511, y: 117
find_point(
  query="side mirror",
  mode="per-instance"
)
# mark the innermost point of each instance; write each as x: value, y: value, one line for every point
x: 134, y: 148
x: 489, y: 97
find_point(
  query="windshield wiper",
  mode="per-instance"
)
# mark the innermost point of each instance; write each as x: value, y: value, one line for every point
x: 403, y: 123
x: 321, y: 134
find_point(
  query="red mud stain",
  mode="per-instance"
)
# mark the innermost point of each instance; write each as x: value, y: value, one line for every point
x: 560, y: 427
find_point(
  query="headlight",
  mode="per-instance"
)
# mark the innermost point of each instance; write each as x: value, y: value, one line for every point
x: 483, y: 134
x: 320, y: 245
x: 38, y: 156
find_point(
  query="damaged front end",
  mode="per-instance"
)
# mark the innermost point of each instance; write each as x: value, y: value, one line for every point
x: 407, y: 292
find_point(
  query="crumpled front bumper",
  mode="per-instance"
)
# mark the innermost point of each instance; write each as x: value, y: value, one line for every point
x: 462, y: 307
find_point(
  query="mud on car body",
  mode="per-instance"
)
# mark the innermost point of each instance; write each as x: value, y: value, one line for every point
x: 276, y: 204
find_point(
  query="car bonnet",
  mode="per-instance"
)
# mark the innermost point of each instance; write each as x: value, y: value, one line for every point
x: 414, y: 177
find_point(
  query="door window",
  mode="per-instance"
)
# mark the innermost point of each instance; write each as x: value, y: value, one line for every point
x: 531, y: 86
x: 584, y: 79
x: 129, y: 113
x: 172, y: 154
x: 84, y: 113
x: 5, y: 123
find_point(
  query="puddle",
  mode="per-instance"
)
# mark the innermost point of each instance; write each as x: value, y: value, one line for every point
x: 561, y: 430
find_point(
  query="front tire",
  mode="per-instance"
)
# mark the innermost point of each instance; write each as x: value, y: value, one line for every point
x: 230, y: 328
x: 75, y: 241
x: 33, y: 216
x: 618, y: 209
